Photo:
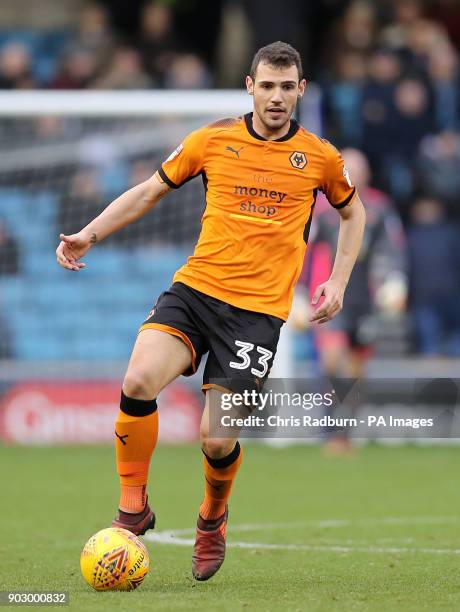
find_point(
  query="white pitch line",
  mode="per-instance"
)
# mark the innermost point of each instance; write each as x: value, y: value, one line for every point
x: 173, y: 537
x: 168, y: 537
x: 331, y: 523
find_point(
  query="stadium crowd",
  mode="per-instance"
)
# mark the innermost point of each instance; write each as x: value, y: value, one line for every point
x: 388, y: 70
x: 389, y: 75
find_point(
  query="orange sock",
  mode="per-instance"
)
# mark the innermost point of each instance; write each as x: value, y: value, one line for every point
x: 219, y: 475
x: 136, y: 433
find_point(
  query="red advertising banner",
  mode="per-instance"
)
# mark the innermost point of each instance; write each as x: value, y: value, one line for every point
x: 83, y: 412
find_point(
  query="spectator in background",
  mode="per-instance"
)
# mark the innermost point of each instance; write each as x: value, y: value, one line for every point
x: 405, y: 13
x: 412, y: 36
x: 446, y: 12
x: 187, y: 71
x: 94, y: 34
x: 444, y: 76
x: 342, y: 100
x: 16, y: 67
x: 342, y: 345
x: 9, y: 252
x: 77, y: 69
x: 378, y: 280
x: 354, y: 33
x: 267, y: 24
x: 384, y: 68
x: 157, y: 42
x: 434, y: 257
x: 124, y: 72
x: 424, y: 37
x: 437, y: 169
x: 411, y: 120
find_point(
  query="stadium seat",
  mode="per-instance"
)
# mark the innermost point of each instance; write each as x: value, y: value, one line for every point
x: 104, y: 262
x: 53, y: 295
x: 106, y: 346
x: 44, y: 68
x: 42, y: 264
x: 147, y: 261
x: 13, y: 208
x: 30, y: 218
x: 53, y: 42
x: 43, y: 206
x: 14, y: 293
x: 33, y: 344
x: 29, y: 38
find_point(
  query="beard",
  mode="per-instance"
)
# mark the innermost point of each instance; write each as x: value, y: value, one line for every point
x: 273, y: 122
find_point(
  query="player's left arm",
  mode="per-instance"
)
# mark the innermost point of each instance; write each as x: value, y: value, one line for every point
x: 352, y: 222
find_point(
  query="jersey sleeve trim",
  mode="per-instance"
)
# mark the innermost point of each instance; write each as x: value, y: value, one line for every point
x: 346, y: 201
x: 166, y: 179
x: 173, y: 185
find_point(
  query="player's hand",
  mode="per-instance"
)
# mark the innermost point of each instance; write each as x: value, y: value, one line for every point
x: 332, y: 304
x: 71, y: 249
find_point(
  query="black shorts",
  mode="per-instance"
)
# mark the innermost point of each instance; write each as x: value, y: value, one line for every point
x: 241, y: 343
x: 350, y: 323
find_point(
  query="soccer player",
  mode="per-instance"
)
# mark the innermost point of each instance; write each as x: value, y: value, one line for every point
x: 378, y: 279
x: 261, y: 174
x: 380, y: 261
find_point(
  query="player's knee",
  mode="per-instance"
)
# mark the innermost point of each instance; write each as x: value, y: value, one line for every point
x: 217, y: 448
x: 138, y: 385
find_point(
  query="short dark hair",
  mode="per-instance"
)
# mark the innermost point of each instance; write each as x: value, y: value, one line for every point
x: 278, y: 54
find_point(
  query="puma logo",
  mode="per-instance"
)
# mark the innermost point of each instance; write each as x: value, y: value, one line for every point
x: 236, y: 151
x: 216, y: 487
x: 122, y: 438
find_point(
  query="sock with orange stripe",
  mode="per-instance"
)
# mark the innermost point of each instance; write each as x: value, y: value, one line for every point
x: 136, y: 434
x: 219, y: 477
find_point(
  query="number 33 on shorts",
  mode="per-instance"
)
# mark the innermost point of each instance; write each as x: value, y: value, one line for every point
x: 244, y: 354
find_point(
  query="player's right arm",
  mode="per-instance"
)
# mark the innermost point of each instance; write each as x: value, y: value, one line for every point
x: 184, y: 163
x: 128, y: 207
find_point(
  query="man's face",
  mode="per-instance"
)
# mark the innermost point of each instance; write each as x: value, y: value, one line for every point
x: 275, y: 92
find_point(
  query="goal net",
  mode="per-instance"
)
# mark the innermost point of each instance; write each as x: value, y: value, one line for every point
x: 63, y: 157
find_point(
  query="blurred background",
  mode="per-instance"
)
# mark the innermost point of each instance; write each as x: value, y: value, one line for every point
x: 384, y: 87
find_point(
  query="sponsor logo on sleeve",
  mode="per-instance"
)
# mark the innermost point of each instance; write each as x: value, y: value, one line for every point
x: 346, y: 174
x: 175, y: 153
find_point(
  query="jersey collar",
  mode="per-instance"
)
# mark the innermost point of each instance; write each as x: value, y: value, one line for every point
x: 291, y: 132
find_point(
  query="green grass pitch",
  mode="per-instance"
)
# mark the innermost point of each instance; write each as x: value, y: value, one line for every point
x: 376, y: 531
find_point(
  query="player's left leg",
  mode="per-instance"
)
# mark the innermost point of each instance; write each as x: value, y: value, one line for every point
x: 241, y: 346
x: 221, y: 460
x: 343, y: 355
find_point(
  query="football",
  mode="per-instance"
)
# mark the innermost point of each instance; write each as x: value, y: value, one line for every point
x: 114, y: 559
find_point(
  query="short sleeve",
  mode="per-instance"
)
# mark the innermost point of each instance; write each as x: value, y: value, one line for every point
x: 337, y: 185
x: 186, y: 161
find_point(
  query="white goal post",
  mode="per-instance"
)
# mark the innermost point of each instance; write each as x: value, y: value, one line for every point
x: 229, y: 102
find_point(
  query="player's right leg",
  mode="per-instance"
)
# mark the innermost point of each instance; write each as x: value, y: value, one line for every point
x: 157, y: 359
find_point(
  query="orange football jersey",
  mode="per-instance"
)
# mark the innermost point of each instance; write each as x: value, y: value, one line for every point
x: 260, y: 196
